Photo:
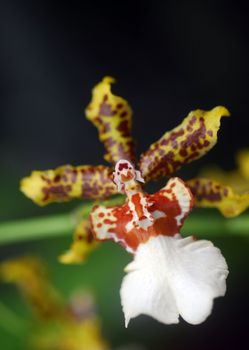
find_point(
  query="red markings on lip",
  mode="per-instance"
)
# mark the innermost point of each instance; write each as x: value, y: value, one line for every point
x: 108, y: 221
x: 136, y: 200
x: 130, y: 236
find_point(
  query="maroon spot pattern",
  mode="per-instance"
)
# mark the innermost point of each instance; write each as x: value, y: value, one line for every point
x: 162, y: 158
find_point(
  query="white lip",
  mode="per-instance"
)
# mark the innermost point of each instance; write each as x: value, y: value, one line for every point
x: 172, y: 276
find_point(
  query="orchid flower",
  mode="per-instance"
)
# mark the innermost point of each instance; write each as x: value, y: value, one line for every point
x: 169, y: 275
x: 58, y: 324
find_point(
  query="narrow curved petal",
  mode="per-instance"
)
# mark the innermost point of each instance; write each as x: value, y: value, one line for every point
x: 232, y: 178
x: 172, y: 276
x: 29, y: 275
x: 83, y: 244
x: 68, y: 182
x: 213, y: 194
x: 112, y: 116
x: 190, y: 140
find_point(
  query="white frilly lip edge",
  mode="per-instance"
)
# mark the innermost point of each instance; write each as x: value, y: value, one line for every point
x: 171, y: 277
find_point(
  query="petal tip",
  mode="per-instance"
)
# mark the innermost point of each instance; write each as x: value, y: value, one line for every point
x: 127, y: 321
x: 31, y: 187
x: 108, y: 80
x: 69, y: 258
x: 221, y: 111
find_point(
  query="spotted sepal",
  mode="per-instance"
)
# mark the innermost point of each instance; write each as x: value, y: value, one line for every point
x: 130, y: 224
x: 29, y: 275
x: 83, y: 244
x: 212, y: 194
x: 68, y: 182
x: 112, y: 116
x: 193, y: 138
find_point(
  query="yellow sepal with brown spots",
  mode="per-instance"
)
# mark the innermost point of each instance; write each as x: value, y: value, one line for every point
x: 212, y: 194
x: 112, y: 116
x: 68, y: 182
x: 83, y: 244
x: 190, y: 140
x: 29, y: 275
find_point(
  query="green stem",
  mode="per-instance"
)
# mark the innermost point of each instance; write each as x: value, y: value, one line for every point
x: 64, y: 224
x: 216, y: 225
x: 48, y: 226
x: 11, y: 322
x: 35, y: 228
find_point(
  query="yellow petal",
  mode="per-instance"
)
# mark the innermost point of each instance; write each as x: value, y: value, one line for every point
x: 112, y: 116
x: 243, y: 163
x: 68, y: 182
x: 82, y: 245
x: 233, y: 179
x: 30, y: 277
x: 212, y: 194
x: 82, y: 335
x: 193, y: 138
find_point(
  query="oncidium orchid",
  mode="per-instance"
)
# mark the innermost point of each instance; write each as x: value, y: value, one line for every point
x: 57, y: 325
x: 169, y: 275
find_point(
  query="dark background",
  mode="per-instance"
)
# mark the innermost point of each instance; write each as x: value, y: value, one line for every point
x: 169, y: 57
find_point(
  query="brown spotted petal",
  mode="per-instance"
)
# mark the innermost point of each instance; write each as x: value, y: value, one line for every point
x: 213, y: 194
x: 112, y: 116
x: 233, y: 178
x: 193, y: 138
x: 83, y: 244
x: 68, y: 182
